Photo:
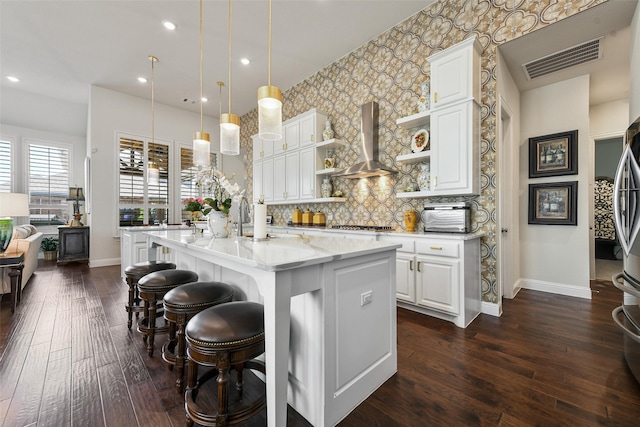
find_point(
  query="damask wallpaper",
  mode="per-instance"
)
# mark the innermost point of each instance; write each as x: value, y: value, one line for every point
x: 389, y: 70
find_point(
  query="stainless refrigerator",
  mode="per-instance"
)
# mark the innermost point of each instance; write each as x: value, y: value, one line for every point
x: 626, y: 213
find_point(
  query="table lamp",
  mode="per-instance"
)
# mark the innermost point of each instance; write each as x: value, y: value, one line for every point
x: 11, y: 205
x: 76, y: 194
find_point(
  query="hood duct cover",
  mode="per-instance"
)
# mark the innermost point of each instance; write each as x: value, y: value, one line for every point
x: 369, y: 165
x: 576, y: 55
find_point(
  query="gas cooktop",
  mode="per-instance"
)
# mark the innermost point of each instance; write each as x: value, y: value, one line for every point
x: 363, y: 227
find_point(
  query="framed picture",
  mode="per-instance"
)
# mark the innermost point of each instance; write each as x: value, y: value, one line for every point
x: 553, y: 203
x: 553, y: 155
x: 269, y: 219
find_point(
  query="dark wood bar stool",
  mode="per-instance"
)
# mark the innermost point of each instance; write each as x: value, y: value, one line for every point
x: 136, y: 272
x: 180, y: 305
x: 222, y: 336
x: 152, y: 289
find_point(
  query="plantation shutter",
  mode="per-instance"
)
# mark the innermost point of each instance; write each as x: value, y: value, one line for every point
x: 48, y: 184
x: 6, y: 172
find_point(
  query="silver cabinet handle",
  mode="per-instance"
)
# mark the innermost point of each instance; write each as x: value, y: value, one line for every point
x: 615, y: 313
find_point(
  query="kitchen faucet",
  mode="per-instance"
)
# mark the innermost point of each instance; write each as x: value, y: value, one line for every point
x: 242, y: 213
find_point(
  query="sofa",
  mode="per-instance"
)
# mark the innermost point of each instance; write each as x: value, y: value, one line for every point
x: 25, y: 238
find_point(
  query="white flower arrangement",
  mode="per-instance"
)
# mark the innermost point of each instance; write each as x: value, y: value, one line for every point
x: 213, y: 182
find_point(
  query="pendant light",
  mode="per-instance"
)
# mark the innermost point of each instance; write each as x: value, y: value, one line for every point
x: 201, y: 141
x: 269, y: 103
x: 153, y: 171
x: 229, y: 123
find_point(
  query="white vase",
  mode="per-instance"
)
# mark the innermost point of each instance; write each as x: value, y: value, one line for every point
x: 327, y: 133
x: 424, y: 177
x: 326, y: 188
x: 219, y: 223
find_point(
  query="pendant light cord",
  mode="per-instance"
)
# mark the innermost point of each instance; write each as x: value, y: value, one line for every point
x: 201, y: 103
x: 229, y: 56
x: 269, y: 42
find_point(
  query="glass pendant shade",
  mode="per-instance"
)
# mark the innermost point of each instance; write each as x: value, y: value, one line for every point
x: 153, y: 174
x: 229, y: 134
x: 269, y: 113
x: 201, y: 150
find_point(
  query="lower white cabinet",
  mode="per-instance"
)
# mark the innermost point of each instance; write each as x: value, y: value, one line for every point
x: 134, y: 248
x: 439, y: 277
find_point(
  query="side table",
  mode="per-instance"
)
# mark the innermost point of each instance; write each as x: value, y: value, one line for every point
x: 73, y: 244
x: 14, y: 262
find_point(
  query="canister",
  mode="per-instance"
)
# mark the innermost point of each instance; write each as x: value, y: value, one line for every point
x: 319, y: 219
x: 307, y: 218
x: 296, y: 218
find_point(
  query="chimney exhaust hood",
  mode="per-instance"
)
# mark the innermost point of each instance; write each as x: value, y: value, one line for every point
x: 369, y: 165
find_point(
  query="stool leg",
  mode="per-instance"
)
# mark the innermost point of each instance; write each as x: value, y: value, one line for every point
x: 180, y: 352
x: 171, y: 341
x: 132, y: 290
x: 152, y: 323
x: 223, y: 389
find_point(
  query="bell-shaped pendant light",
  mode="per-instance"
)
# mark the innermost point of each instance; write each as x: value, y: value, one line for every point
x: 201, y: 140
x: 153, y: 171
x: 269, y: 103
x: 229, y: 123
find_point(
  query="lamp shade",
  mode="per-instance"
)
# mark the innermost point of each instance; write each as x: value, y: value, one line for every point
x: 230, y: 134
x: 76, y: 193
x: 14, y: 204
x: 269, y: 113
x: 201, y: 150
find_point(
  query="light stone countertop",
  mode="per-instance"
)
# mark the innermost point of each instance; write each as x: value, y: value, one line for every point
x: 418, y: 234
x: 279, y: 252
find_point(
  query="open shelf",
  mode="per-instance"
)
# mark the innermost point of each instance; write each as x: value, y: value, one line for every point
x: 414, y: 195
x: 318, y: 200
x: 330, y: 171
x: 415, y: 120
x: 330, y: 143
x: 418, y: 157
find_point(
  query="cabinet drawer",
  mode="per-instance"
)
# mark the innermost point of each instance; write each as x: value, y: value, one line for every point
x: 408, y: 245
x: 438, y: 248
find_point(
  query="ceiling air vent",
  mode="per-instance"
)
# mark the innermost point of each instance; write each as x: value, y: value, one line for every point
x: 584, y: 52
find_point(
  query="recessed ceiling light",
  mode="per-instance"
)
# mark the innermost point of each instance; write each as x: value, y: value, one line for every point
x: 13, y: 79
x: 204, y: 99
x: 142, y: 79
x: 169, y: 25
x: 245, y: 61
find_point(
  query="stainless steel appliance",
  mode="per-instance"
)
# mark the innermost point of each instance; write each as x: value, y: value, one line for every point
x: 447, y: 217
x: 626, y: 213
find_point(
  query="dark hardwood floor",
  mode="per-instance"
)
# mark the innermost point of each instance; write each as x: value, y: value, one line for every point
x: 67, y: 358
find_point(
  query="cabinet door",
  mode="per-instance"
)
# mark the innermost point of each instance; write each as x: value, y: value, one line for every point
x: 405, y: 278
x: 257, y: 180
x: 438, y: 283
x: 308, y: 182
x: 454, y: 150
x: 308, y: 130
x: 258, y: 152
x: 290, y: 138
x: 292, y: 175
x: 279, y: 177
x: 267, y: 179
x: 449, y: 81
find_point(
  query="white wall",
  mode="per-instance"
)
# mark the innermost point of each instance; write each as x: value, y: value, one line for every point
x: 555, y: 258
x: 609, y: 119
x: 634, y: 86
x: 112, y: 112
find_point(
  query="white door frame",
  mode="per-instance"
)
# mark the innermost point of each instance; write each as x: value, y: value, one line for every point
x: 508, y: 212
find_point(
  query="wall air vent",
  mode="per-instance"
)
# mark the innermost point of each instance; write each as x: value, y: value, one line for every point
x: 579, y: 54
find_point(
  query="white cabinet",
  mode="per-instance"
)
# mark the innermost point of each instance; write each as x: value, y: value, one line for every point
x: 439, y: 277
x: 263, y: 179
x: 455, y: 73
x: 311, y: 127
x: 286, y: 176
x: 308, y: 181
x: 290, y: 138
x: 454, y: 120
x: 455, y: 157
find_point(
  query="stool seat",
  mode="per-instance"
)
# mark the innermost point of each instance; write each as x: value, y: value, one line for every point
x: 152, y: 289
x: 232, y: 324
x: 135, y: 272
x: 224, y: 336
x: 180, y: 305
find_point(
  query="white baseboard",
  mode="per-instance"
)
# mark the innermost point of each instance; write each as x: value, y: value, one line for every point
x: 556, y: 288
x: 103, y: 262
x: 491, y: 309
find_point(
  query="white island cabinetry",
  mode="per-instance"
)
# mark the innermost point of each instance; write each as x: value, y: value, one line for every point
x: 329, y: 307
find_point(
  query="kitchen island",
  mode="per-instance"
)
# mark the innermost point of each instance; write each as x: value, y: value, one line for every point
x: 330, y: 313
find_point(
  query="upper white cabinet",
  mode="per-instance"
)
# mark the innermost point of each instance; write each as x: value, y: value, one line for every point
x: 455, y: 74
x: 454, y: 121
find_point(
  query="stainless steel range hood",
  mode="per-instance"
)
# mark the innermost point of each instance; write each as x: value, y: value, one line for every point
x: 369, y: 164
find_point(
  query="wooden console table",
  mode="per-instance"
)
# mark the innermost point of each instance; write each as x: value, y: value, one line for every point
x: 14, y: 262
x: 73, y: 244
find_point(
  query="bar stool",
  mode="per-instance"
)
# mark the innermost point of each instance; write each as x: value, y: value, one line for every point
x: 152, y: 289
x: 222, y: 336
x: 136, y: 272
x: 180, y: 305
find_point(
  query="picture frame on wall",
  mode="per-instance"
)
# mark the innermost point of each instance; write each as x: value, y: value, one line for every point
x: 554, y: 203
x: 553, y: 155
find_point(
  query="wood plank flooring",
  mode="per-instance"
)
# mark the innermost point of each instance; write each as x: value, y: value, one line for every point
x: 68, y: 359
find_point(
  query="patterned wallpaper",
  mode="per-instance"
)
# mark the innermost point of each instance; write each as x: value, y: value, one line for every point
x: 389, y: 70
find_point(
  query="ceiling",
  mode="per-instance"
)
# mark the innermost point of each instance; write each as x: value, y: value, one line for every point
x: 609, y: 79
x: 60, y: 48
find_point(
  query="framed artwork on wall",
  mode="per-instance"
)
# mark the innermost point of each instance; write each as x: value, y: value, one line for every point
x: 554, y: 203
x: 553, y: 155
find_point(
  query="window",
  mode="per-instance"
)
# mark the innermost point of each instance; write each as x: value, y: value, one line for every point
x: 48, y: 183
x: 188, y: 186
x: 6, y: 171
x: 140, y: 203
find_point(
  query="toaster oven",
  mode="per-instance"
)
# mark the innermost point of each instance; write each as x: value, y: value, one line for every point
x: 447, y: 217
